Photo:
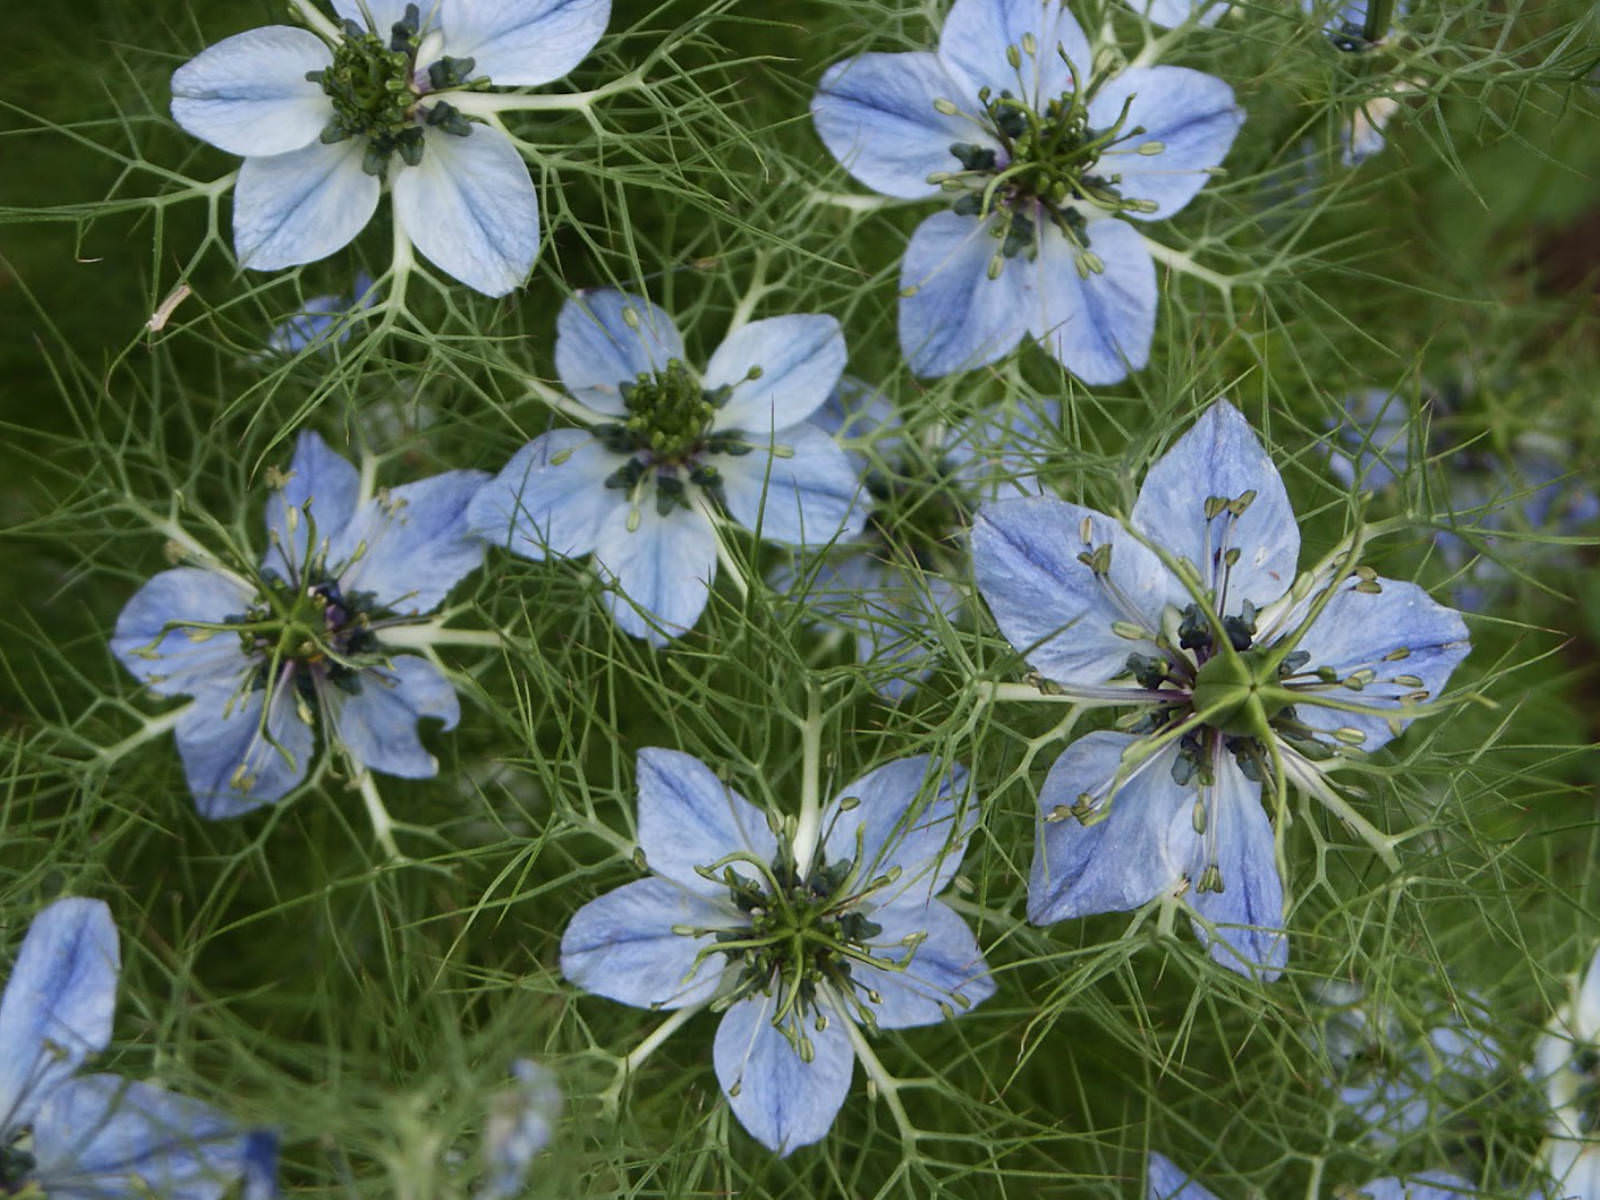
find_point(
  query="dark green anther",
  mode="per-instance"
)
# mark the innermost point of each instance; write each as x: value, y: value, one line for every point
x: 973, y: 158
x: 446, y: 117
x: 1148, y: 672
x: 1194, y: 631
x: 670, y: 494
x: 450, y: 72
x: 626, y: 477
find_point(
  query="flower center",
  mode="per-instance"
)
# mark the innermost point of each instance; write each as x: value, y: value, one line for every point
x: 1241, y: 690
x: 376, y: 92
x: 311, y: 627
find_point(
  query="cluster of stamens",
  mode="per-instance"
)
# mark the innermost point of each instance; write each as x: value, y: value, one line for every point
x: 376, y: 90
x: 316, y: 627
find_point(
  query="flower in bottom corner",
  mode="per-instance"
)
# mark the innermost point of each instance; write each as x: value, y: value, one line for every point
x: 1567, y: 1064
x: 521, y: 1120
x: 1164, y: 1180
x: 1242, y: 676
x: 71, y: 1136
x: 805, y: 944
x: 310, y: 636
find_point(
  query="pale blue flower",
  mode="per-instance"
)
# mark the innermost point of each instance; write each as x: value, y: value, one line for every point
x: 714, y: 923
x: 324, y: 125
x: 98, y: 1137
x: 1035, y: 242
x: 1165, y: 1181
x: 309, y: 633
x: 323, y: 320
x: 1566, y: 1063
x: 1170, y: 13
x: 666, y: 448
x: 1245, y: 675
x: 521, y: 1120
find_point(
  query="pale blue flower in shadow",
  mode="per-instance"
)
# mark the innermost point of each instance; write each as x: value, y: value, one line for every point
x: 314, y: 631
x: 97, y: 1137
x: 1165, y: 1181
x: 714, y: 925
x: 323, y: 321
x: 521, y: 1120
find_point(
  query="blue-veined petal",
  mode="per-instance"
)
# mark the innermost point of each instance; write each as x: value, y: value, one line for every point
x: 607, y: 338
x: 377, y: 723
x: 152, y: 641
x: 689, y: 818
x: 322, y: 484
x: 100, y: 1136
x: 1190, y: 115
x: 470, y: 207
x: 978, y: 34
x: 906, y: 817
x: 806, y: 495
x: 1169, y: 13
x: 410, y: 545
x: 301, y: 206
x: 945, y: 974
x: 249, y: 93
x: 58, y: 1005
x: 1407, y: 640
x: 782, y: 1102
x: 523, y: 43
x: 233, y: 762
x: 662, y: 566
x: 1096, y: 323
x: 780, y: 369
x: 1163, y: 1181
x: 551, y: 498
x: 875, y: 115
x: 1243, y: 923
x: 952, y: 315
x: 1028, y: 555
x: 1118, y: 861
x: 622, y: 946
x: 1221, y: 457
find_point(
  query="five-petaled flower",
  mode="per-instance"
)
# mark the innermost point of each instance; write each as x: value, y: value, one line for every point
x: 261, y: 653
x: 1042, y: 157
x: 665, y: 447
x: 1567, y: 1063
x: 1242, y: 674
x: 79, y: 1137
x: 802, y: 941
x: 324, y: 124
x: 1164, y: 1181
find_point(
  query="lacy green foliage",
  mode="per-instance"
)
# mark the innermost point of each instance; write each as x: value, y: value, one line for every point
x: 291, y: 973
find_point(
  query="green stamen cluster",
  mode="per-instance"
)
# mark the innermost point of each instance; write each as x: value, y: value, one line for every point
x: 315, y: 626
x: 669, y: 413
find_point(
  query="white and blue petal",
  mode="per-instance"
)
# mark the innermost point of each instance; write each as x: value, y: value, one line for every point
x: 807, y: 495
x: 100, y: 1137
x: 249, y: 94
x: 622, y: 946
x: 783, y: 1102
x: 952, y: 315
x: 1242, y: 924
x: 605, y: 339
x: 1097, y: 323
x: 662, y: 567
x: 232, y: 761
x: 944, y: 975
x: 1164, y: 1181
x: 1189, y: 115
x: 58, y: 1005
x: 978, y: 34
x: 875, y: 114
x: 156, y: 641
x: 1029, y: 557
x: 523, y: 43
x: 1000, y: 452
x: 551, y: 498
x: 1430, y: 1185
x: 1408, y: 642
x: 1119, y: 861
x: 410, y: 545
x: 322, y: 485
x: 1221, y: 457
x: 912, y: 814
x: 377, y: 723
x: 470, y: 207
x: 779, y: 370
x: 689, y: 818
x: 301, y: 206
x: 385, y: 13
x: 1170, y: 13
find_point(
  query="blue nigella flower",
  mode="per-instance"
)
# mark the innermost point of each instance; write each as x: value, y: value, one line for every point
x: 1566, y: 1061
x: 97, y: 1137
x: 894, y: 583
x: 312, y: 631
x: 1164, y: 1181
x: 521, y: 1120
x: 1243, y: 674
x: 325, y: 122
x: 666, y: 448
x: 322, y: 321
x: 802, y: 942
x: 1041, y: 157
